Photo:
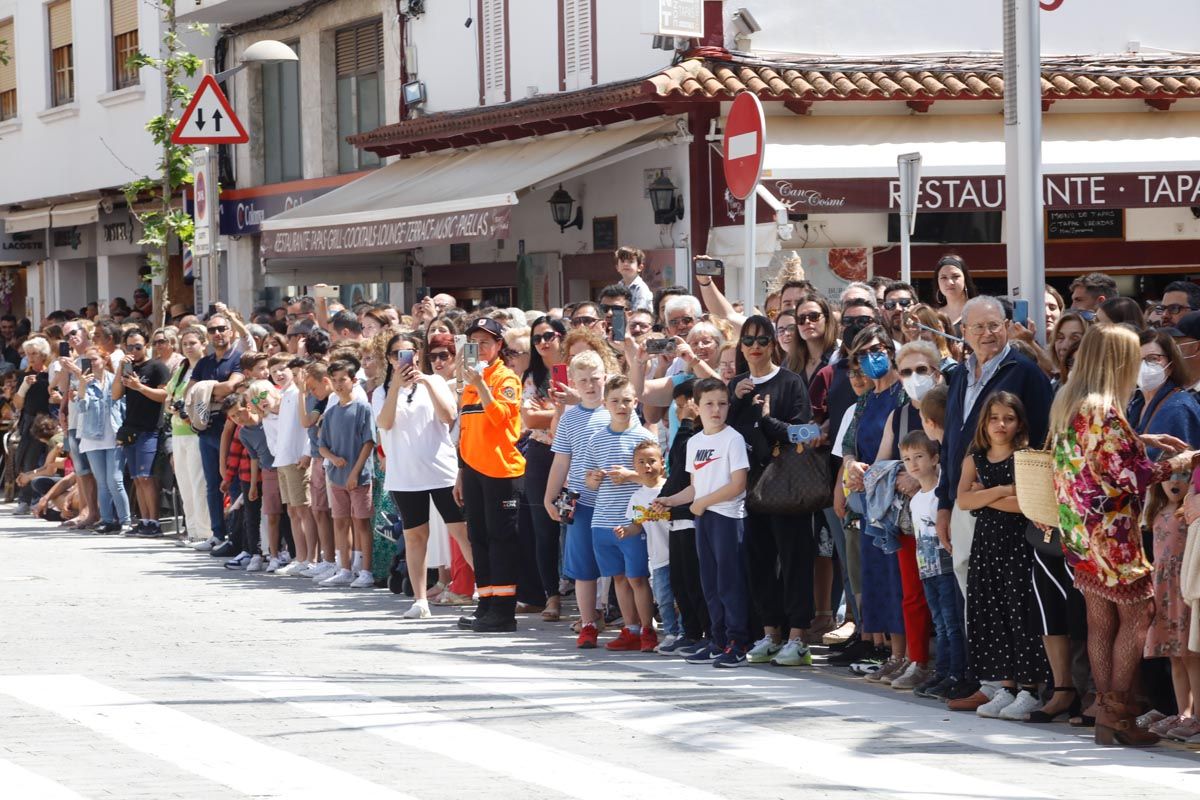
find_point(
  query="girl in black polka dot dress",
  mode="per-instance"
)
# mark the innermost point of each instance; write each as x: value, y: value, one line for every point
x: 1000, y: 643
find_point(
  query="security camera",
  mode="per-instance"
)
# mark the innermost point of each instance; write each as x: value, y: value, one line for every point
x: 745, y: 22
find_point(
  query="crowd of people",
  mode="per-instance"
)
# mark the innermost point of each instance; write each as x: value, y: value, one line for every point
x: 712, y: 483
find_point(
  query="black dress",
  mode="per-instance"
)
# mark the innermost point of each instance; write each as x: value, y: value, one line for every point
x: 1000, y: 643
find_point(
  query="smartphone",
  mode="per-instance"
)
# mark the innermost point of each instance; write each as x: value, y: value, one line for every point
x: 709, y: 266
x: 64, y: 349
x: 460, y: 341
x: 558, y: 374
x: 1021, y: 312
x: 422, y: 293
x: 803, y: 434
x: 618, y: 324
x: 126, y: 368
x: 405, y: 358
x: 659, y: 346
x: 85, y: 364
x: 328, y: 292
x: 471, y: 354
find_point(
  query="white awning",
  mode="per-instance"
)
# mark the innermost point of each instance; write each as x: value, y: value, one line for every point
x: 459, y: 196
x: 866, y: 147
x: 68, y: 215
x: 33, y: 219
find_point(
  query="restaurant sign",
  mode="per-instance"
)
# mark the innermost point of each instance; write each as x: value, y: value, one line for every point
x: 389, y: 235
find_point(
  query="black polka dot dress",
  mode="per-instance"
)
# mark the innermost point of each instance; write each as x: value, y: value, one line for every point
x: 1001, y: 644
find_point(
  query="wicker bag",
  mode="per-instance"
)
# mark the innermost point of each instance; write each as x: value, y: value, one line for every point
x: 1034, y: 472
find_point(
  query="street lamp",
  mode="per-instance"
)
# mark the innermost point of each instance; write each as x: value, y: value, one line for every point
x: 561, y: 204
x: 668, y: 207
x: 266, y: 51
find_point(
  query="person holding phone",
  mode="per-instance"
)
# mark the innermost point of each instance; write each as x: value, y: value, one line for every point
x: 98, y: 441
x: 142, y: 379
x: 32, y: 399
x: 415, y: 411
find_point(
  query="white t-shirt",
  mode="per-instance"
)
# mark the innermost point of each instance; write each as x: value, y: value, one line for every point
x: 712, y: 459
x: 291, y: 438
x: 932, y: 558
x: 840, y: 439
x: 657, y: 530
x: 420, y: 453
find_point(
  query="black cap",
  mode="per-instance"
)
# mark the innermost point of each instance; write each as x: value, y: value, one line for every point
x: 1189, y: 325
x: 487, y: 325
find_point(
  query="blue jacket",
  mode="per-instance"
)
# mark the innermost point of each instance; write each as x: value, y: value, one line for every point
x: 1016, y: 374
x: 883, y: 504
x: 1175, y: 413
x: 99, y: 415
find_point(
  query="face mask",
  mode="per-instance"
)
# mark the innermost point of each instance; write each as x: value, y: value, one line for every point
x: 1090, y: 316
x: 917, y: 386
x: 1150, y: 377
x: 875, y: 365
x: 852, y: 331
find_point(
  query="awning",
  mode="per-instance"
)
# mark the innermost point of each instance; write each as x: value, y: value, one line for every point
x: 450, y: 197
x: 848, y: 164
x: 33, y: 219
x: 61, y: 215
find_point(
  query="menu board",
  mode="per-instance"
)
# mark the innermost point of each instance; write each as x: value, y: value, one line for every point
x: 1092, y: 223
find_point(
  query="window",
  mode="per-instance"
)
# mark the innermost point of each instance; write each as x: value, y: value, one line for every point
x: 359, y: 90
x: 125, y: 42
x: 62, y: 56
x: 577, y: 47
x: 493, y: 51
x: 282, y: 159
x: 8, y: 73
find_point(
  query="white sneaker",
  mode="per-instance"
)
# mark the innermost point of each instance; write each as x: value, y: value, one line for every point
x: 273, y: 565
x: 312, y: 569
x: 285, y: 558
x: 1020, y: 708
x: 365, y: 580
x: 763, y: 650
x: 323, y: 571
x: 666, y: 641
x: 418, y: 610
x: 343, y: 577
x: 255, y: 565
x: 1001, y: 700
x: 205, y: 545
x: 293, y: 569
x: 239, y: 561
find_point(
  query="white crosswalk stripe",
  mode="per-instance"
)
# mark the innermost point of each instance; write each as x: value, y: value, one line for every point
x: 199, y: 747
x: 18, y: 782
x: 487, y: 749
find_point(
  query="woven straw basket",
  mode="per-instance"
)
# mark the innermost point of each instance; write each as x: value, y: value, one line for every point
x: 1035, y: 485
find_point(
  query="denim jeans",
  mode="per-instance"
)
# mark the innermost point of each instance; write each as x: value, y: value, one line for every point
x: 660, y: 582
x: 946, y: 607
x: 108, y: 465
x: 840, y: 547
x: 210, y: 460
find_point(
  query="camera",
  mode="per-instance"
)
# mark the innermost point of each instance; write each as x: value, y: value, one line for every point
x: 566, y: 506
x: 178, y: 407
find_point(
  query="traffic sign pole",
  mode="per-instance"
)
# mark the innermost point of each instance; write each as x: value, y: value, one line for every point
x: 214, y: 225
x: 748, y: 270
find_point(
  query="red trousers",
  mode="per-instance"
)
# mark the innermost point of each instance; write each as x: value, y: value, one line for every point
x: 918, y: 625
x: 462, y: 577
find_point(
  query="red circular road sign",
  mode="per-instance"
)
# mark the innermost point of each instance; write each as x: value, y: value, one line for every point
x: 201, y: 196
x: 743, y: 148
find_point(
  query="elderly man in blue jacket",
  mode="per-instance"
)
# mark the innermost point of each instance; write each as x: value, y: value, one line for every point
x: 994, y: 366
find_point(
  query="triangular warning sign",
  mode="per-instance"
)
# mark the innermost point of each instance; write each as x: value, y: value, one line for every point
x: 209, y: 118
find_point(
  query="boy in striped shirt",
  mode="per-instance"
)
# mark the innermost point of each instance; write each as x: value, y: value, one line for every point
x: 609, y: 464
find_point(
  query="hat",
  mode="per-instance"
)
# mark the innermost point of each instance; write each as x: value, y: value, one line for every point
x: 487, y: 325
x: 1189, y: 325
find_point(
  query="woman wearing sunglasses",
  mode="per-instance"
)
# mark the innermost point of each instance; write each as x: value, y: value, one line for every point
x: 764, y: 399
x: 415, y: 411
x: 816, y: 336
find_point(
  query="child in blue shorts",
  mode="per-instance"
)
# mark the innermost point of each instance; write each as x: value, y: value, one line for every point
x: 609, y: 464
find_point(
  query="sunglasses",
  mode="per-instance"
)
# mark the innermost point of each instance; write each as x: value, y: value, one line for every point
x: 158, y: 342
x: 921, y: 370
x: 544, y: 338
x: 761, y: 341
x: 441, y: 356
x: 579, y: 322
x: 218, y: 329
x: 811, y: 316
x: 135, y: 347
x: 608, y: 309
x: 903, y: 302
x: 675, y: 323
x: 859, y: 320
x: 875, y: 348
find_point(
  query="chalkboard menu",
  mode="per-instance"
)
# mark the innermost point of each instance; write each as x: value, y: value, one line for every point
x: 1093, y: 223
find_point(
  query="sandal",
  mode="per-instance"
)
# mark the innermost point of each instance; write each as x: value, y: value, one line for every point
x: 1040, y: 716
x: 553, y: 610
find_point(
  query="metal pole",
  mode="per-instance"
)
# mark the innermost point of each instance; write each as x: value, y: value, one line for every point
x: 748, y: 271
x: 214, y: 224
x: 905, y: 252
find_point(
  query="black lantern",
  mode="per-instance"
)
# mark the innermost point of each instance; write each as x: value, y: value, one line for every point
x: 668, y: 206
x: 561, y: 204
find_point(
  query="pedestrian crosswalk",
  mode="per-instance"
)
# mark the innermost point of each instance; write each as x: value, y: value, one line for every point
x: 459, y: 726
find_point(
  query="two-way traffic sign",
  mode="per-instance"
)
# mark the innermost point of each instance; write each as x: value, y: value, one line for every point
x: 209, y: 118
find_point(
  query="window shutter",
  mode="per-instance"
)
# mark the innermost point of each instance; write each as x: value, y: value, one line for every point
x: 8, y: 72
x: 60, y: 24
x: 577, y: 43
x: 124, y: 16
x: 359, y: 49
x: 492, y: 26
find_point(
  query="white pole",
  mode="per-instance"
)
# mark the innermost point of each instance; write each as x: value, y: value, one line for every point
x: 905, y: 252
x: 748, y: 271
x: 214, y: 224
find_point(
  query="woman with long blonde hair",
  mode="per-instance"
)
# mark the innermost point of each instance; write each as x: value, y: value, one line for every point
x: 1101, y: 477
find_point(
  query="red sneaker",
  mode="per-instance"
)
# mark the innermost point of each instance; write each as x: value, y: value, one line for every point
x: 649, y: 640
x: 587, y: 637
x: 627, y: 640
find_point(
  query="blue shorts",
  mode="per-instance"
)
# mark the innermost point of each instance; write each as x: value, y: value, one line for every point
x: 627, y: 556
x: 139, y: 456
x: 78, y: 460
x: 579, y: 562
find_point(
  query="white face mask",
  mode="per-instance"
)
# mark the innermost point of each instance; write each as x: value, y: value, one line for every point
x: 917, y: 386
x: 1151, y: 377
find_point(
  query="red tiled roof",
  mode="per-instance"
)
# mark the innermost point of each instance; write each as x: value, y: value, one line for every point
x: 1158, y: 80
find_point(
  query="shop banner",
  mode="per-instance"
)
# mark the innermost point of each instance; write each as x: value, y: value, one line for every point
x: 388, y: 236
x: 17, y: 247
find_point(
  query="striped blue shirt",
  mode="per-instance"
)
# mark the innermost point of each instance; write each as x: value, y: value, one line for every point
x: 575, y: 429
x: 611, y: 449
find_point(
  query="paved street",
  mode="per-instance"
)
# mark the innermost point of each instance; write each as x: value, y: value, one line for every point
x: 136, y: 669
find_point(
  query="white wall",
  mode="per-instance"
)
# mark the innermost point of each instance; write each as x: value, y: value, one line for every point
x: 623, y: 52
x: 447, y: 55
x: 862, y: 27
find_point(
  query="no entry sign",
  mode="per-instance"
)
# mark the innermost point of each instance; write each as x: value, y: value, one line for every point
x: 743, y: 148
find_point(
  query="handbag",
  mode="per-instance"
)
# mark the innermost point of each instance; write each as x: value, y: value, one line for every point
x: 797, y: 480
x: 1046, y: 543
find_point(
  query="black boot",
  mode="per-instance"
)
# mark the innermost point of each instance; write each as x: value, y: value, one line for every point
x: 467, y: 622
x: 500, y: 617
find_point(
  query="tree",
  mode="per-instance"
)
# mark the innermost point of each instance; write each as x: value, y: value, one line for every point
x: 160, y: 224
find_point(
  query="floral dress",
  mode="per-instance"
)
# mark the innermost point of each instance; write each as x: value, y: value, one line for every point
x: 1168, y: 635
x: 1101, y: 476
